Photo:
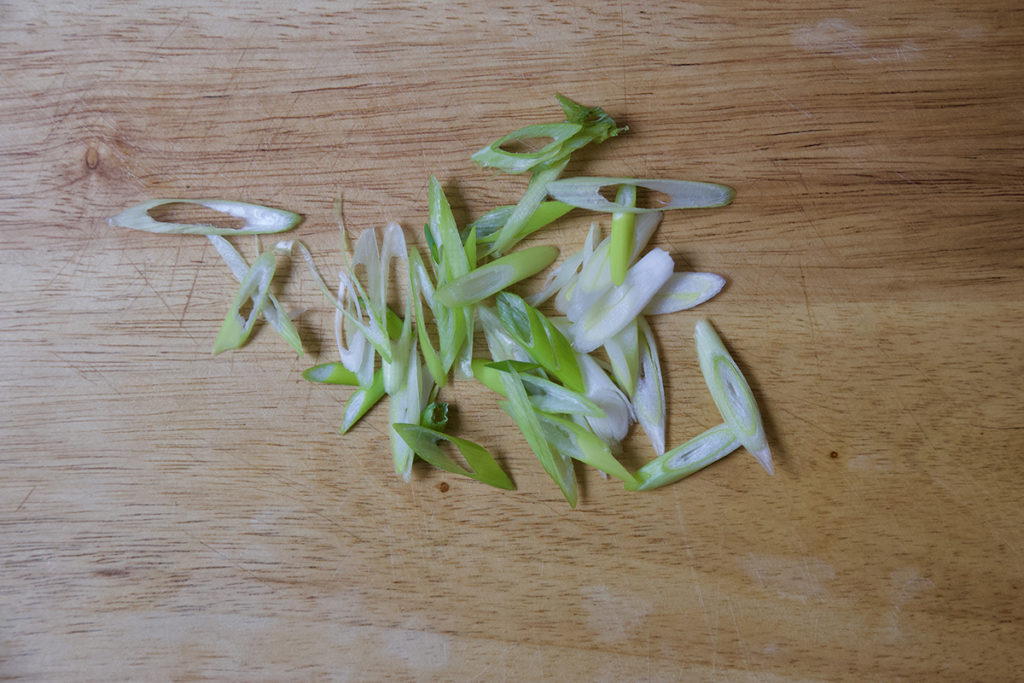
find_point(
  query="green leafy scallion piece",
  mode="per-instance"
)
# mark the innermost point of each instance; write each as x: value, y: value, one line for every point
x: 685, y: 459
x: 540, y: 338
x: 545, y: 395
x: 424, y: 443
x: 488, y: 225
x: 255, y: 285
x: 585, y: 193
x: 623, y: 227
x: 259, y: 220
x: 536, y: 190
x: 496, y: 276
x: 331, y: 373
x: 493, y: 156
x: 361, y: 400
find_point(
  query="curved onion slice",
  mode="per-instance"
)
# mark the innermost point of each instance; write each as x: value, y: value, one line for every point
x: 684, y: 460
x: 259, y: 220
x: 585, y: 193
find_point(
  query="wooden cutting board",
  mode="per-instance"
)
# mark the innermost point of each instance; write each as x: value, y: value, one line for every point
x: 168, y: 514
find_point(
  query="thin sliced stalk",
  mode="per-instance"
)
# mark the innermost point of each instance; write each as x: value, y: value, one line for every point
x: 577, y: 442
x: 602, y: 391
x: 406, y: 405
x: 536, y: 191
x: 488, y: 225
x: 259, y: 220
x: 255, y: 285
x: 422, y: 288
x: 684, y: 291
x: 497, y: 275
x: 624, y: 355
x: 585, y: 193
x: 558, y: 466
x: 445, y: 232
x: 684, y: 460
x: 500, y: 343
x: 331, y: 373
x: 423, y: 442
x: 649, y: 398
x: 623, y: 225
x: 275, y: 314
x: 602, y: 318
x: 493, y: 156
x: 545, y: 395
x: 732, y: 394
x: 361, y: 400
x: 540, y: 338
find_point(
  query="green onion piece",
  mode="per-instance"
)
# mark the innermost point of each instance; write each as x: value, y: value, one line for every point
x: 602, y: 391
x: 423, y: 288
x: 540, y: 338
x: 732, y: 394
x: 597, y: 125
x: 496, y: 276
x: 259, y: 220
x: 649, y: 397
x: 435, y: 416
x: 275, y: 314
x: 361, y: 400
x: 684, y: 460
x: 500, y: 343
x: 623, y: 351
x: 488, y: 225
x: 585, y: 193
x: 581, y: 444
x: 406, y: 406
x: 558, y: 466
x: 683, y: 291
x: 255, y: 285
x: 331, y: 373
x: 623, y: 224
x: 536, y: 190
x: 493, y: 156
x: 601, y: 315
x: 545, y: 395
x: 423, y: 442
x: 445, y: 233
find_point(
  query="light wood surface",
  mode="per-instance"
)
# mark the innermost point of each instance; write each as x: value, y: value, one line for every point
x: 165, y: 514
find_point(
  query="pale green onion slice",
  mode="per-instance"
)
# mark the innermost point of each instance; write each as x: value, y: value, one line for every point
x: 545, y: 395
x: 445, y: 233
x: 361, y: 400
x: 493, y: 156
x: 488, y: 225
x: 537, y: 189
x: 500, y: 343
x: 518, y: 406
x: 423, y: 289
x: 684, y: 460
x: 496, y: 276
x: 599, y: 317
x: 649, y: 397
x: 602, y: 391
x: 331, y: 373
x: 579, y: 443
x: 354, y: 348
x: 541, y: 339
x: 683, y: 291
x: 585, y: 193
x: 557, y: 279
x: 275, y: 313
x: 623, y: 352
x: 406, y: 404
x: 731, y: 393
x: 423, y: 442
x: 623, y: 224
x: 255, y: 285
x: 259, y: 220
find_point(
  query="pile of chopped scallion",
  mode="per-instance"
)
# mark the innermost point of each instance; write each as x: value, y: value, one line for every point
x: 573, y: 383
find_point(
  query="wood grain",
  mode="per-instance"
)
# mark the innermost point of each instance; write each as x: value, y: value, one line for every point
x: 169, y: 515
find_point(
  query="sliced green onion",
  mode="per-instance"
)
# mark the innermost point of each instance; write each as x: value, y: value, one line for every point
x: 500, y: 343
x: 536, y: 190
x: 445, y: 233
x: 580, y: 443
x: 423, y: 442
x: 518, y: 406
x: 496, y: 276
x: 331, y: 373
x: 683, y: 291
x: 585, y: 193
x: 255, y: 285
x: 361, y: 400
x: 259, y: 220
x: 488, y: 225
x: 275, y: 313
x: 545, y: 395
x: 623, y: 351
x: 540, y: 338
x: 406, y: 405
x: 649, y: 397
x: 618, y: 413
x: 435, y: 416
x: 597, y: 125
x: 600, y: 316
x: 731, y: 393
x: 519, y: 162
x: 684, y: 460
x: 422, y: 288
x: 623, y: 224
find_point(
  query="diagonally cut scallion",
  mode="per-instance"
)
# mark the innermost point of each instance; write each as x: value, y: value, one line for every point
x: 255, y: 285
x: 259, y: 220
x: 540, y: 338
x: 493, y: 156
x: 423, y: 442
x: 684, y: 460
x: 623, y: 224
x: 649, y: 397
x: 683, y: 291
x: 585, y: 193
x: 496, y: 276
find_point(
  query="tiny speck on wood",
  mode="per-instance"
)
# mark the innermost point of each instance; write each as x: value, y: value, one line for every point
x: 833, y: 454
x: 92, y: 157
x: 443, y: 487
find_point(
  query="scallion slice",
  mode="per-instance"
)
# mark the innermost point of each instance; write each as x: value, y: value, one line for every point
x: 423, y: 442
x: 585, y: 193
x: 496, y: 276
x: 259, y: 220
x: 684, y: 460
